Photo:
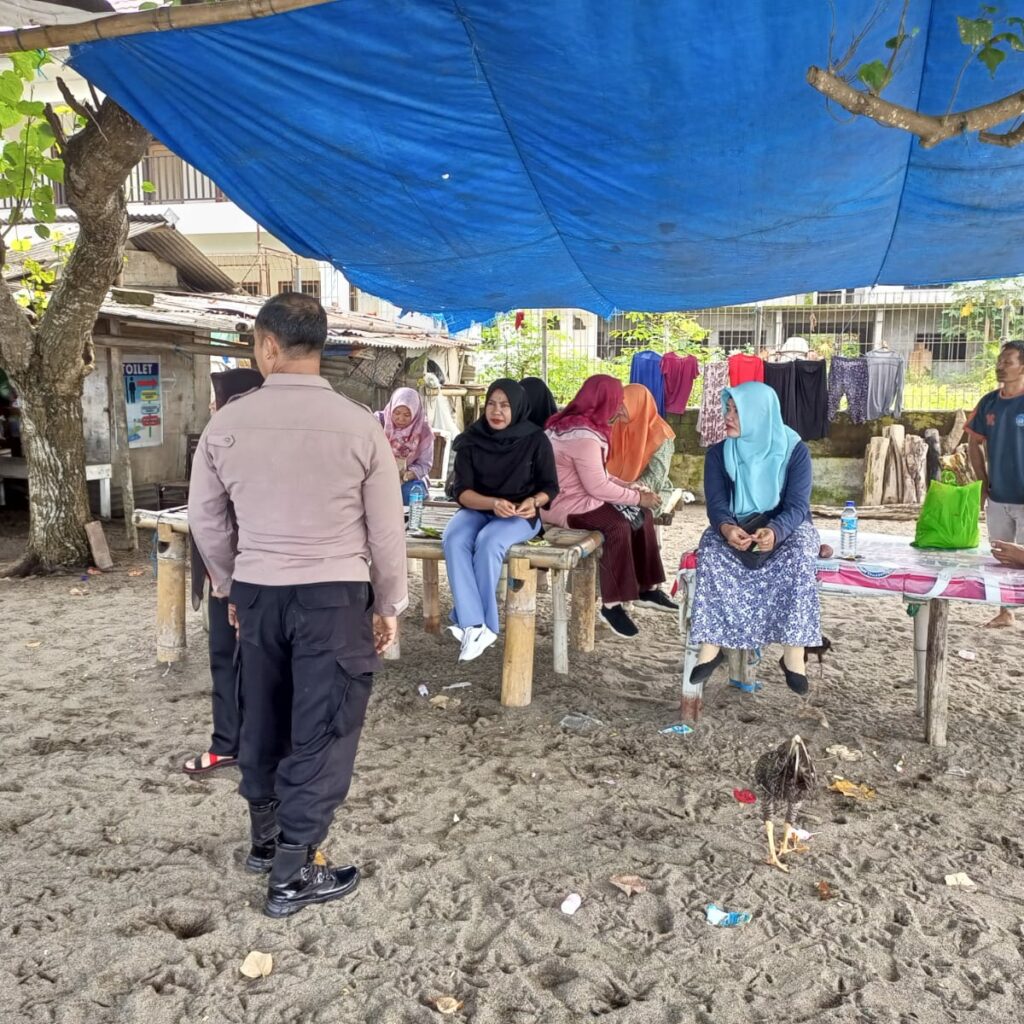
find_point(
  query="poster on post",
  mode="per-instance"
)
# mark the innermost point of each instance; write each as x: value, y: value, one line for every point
x: 143, y: 401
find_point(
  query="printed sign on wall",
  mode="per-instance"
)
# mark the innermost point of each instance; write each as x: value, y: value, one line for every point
x: 143, y: 402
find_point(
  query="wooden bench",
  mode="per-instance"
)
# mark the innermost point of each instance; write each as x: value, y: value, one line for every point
x: 562, y: 552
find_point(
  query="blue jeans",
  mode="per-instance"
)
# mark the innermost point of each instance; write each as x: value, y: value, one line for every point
x: 475, y: 544
x: 407, y: 489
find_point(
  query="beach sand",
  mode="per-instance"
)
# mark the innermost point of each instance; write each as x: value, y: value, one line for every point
x: 122, y: 897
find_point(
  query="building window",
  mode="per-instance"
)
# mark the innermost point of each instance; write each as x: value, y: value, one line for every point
x: 944, y: 350
x: 553, y: 322
x: 250, y: 287
x: 353, y: 298
x: 578, y: 324
x: 835, y: 297
x: 308, y: 288
x: 735, y: 341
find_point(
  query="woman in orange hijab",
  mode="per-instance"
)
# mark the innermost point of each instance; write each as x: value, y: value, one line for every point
x: 641, y: 449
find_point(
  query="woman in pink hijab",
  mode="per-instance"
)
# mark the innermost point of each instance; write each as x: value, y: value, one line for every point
x: 410, y: 436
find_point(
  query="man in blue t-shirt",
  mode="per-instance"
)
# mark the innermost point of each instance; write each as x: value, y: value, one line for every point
x: 996, y: 449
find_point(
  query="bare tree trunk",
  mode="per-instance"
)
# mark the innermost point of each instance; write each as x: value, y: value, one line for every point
x: 48, y: 363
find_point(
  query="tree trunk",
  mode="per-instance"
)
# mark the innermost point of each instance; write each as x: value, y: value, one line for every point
x: 54, y: 438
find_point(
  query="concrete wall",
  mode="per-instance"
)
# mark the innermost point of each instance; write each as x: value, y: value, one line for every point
x: 838, y: 459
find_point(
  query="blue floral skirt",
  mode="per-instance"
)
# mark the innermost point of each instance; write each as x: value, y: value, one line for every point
x: 742, y: 608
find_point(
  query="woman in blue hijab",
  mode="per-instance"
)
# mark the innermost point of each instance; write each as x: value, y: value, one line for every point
x: 756, y: 581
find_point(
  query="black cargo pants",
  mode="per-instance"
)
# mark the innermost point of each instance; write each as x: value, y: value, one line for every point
x: 307, y: 671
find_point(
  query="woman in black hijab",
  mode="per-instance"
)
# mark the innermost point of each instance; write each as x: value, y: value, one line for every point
x: 223, y: 750
x: 542, y: 402
x: 504, y: 474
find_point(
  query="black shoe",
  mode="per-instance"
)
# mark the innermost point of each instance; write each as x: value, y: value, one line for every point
x: 301, y: 877
x: 263, y: 831
x: 618, y: 620
x: 703, y: 672
x: 796, y: 681
x: 656, y: 600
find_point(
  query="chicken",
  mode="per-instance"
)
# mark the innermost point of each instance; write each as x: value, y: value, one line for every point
x: 786, y: 776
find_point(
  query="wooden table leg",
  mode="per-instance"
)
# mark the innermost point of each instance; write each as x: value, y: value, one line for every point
x: 431, y: 596
x: 560, y: 615
x: 520, y: 628
x: 936, y: 689
x: 692, y: 702
x: 170, y: 595
x: 921, y: 618
x: 584, y: 604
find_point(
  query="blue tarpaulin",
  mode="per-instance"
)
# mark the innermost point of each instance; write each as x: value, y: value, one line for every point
x: 465, y: 157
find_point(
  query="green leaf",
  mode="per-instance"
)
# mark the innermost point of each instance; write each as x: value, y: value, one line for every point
x: 25, y: 64
x: 989, y: 9
x: 31, y: 108
x: 44, y: 211
x: 1016, y: 41
x: 9, y: 117
x: 992, y: 57
x: 52, y: 169
x: 19, y: 245
x: 875, y: 75
x: 42, y: 194
x: 148, y: 186
x: 974, y: 31
x: 11, y: 87
x: 42, y: 231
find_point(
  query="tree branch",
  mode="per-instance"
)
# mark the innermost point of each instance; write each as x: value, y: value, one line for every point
x: 159, y: 20
x: 1009, y: 139
x: 97, y: 160
x: 56, y: 126
x: 80, y: 108
x: 931, y: 129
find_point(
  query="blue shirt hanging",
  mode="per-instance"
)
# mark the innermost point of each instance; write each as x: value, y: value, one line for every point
x: 646, y: 369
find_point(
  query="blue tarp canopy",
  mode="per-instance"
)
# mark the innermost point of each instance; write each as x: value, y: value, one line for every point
x: 461, y: 157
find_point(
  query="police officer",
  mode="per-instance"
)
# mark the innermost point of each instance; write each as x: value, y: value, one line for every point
x: 315, y: 588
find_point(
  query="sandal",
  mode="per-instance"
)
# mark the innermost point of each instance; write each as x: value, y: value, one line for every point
x: 216, y: 761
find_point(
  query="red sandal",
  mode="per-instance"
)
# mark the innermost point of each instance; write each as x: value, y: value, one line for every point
x: 216, y: 761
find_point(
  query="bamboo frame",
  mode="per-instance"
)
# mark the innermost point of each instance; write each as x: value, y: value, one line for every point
x: 162, y: 19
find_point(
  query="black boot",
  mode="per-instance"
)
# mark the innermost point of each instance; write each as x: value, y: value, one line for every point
x: 263, y: 831
x: 794, y: 680
x: 301, y: 877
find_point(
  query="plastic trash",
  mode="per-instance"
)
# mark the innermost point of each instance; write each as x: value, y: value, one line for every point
x: 848, y: 531
x: 744, y: 796
x: 959, y: 881
x: 676, y: 729
x: 725, y: 918
x: 579, y: 722
x: 967, y: 655
x: 454, y: 686
x: 754, y: 687
x: 422, y: 690
x: 571, y: 903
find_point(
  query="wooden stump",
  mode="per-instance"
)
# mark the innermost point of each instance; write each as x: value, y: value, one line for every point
x: 892, y: 485
x: 170, y: 595
x: 915, y: 457
x: 951, y: 441
x: 560, y: 617
x: 431, y: 596
x: 584, y: 602
x: 936, y: 690
x: 520, y: 630
x: 874, y: 469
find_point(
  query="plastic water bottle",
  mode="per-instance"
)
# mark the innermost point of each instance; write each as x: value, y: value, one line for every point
x: 416, y: 499
x: 848, y: 531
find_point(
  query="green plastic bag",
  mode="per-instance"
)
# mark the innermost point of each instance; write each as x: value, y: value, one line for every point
x: 949, y: 517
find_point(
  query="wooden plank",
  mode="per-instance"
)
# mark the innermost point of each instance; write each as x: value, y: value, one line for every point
x: 120, y: 454
x: 915, y: 457
x: 170, y: 595
x: 892, y: 484
x: 431, y: 596
x: 692, y: 700
x: 520, y: 634
x: 584, y: 605
x: 921, y: 654
x: 560, y: 616
x: 98, y: 546
x: 936, y: 689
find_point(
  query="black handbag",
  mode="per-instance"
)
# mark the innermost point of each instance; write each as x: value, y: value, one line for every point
x: 749, y: 558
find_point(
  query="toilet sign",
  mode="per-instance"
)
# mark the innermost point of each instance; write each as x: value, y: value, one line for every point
x: 143, y: 401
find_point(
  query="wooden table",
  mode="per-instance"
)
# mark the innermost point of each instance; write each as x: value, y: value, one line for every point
x: 562, y: 553
x: 17, y: 469
x: 925, y: 580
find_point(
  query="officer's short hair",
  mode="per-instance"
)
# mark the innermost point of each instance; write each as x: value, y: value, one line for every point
x: 1018, y: 347
x: 297, y: 321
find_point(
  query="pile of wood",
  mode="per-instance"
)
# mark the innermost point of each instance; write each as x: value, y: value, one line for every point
x: 898, y: 466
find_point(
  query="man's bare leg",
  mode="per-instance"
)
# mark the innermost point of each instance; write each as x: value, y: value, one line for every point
x: 1003, y: 619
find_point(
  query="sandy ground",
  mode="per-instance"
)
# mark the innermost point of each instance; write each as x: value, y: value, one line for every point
x: 122, y: 897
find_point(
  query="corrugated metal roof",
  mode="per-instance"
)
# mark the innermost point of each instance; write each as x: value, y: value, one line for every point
x: 232, y: 313
x: 195, y: 269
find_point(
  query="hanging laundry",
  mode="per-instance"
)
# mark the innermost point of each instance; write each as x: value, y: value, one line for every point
x: 645, y: 368
x: 744, y: 368
x: 848, y: 376
x: 679, y: 373
x: 710, y: 421
x: 885, y: 383
x: 811, y: 399
x: 781, y: 378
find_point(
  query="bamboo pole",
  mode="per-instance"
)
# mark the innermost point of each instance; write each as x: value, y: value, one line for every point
x: 921, y: 654
x: 560, y: 616
x: 162, y: 19
x: 431, y: 596
x: 170, y: 595
x: 520, y: 634
x: 692, y: 699
x: 584, y: 601
x: 936, y: 688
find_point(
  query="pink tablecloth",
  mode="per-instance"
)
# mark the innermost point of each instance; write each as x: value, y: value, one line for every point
x: 890, y: 564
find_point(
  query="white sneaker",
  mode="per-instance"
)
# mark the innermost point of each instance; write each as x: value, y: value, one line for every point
x: 476, y: 640
x: 458, y: 632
